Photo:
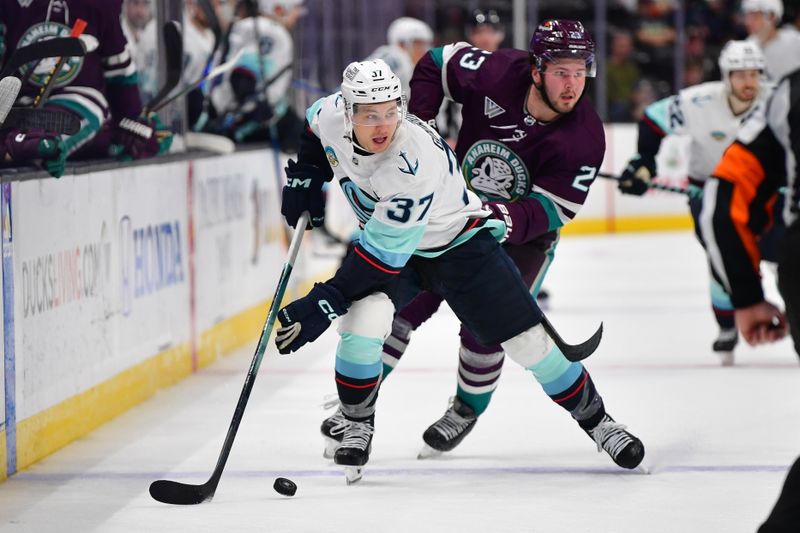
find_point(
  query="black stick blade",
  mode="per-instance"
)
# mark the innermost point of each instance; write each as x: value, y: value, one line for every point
x: 173, y: 48
x: 574, y: 352
x: 46, y: 119
x: 175, y: 493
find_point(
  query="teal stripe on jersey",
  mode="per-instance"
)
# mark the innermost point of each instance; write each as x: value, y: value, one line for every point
x: 311, y: 111
x: 392, y: 245
x: 496, y: 227
x: 553, y: 220
x: 658, y: 112
x: 130, y: 79
x: 438, y: 56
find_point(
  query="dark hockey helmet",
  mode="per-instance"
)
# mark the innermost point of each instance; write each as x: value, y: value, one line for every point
x: 488, y: 18
x: 562, y: 39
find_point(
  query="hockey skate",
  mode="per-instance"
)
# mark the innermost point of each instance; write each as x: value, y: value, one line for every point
x: 333, y: 428
x: 353, y: 452
x: 724, y: 345
x: 447, y: 432
x: 624, y: 448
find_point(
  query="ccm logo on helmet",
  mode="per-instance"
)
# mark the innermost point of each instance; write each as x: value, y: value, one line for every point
x: 379, y: 89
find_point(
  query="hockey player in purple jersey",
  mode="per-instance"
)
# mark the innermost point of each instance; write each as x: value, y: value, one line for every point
x: 530, y: 146
x: 101, y: 87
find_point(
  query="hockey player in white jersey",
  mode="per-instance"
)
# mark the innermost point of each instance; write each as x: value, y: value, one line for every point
x: 781, y: 47
x: 255, y: 93
x: 421, y: 227
x: 710, y: 114
x: 408, y: 40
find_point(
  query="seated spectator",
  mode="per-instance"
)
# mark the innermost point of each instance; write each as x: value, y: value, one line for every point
x: 100, y: 88
x: 622, y: 73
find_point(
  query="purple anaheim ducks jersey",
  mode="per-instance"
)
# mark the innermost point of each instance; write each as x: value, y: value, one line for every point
x: 100, y: 84
x: 544, y: 170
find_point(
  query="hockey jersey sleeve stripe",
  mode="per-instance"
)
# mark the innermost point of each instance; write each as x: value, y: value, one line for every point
x: 127, y: 74
x: 374, y: 263
x: 392, y: 245
x: 553, y: 219
x: 658, y: 113
x: 117, y: 59
x: 437, y: 54
x: 566, y: 210
x: 311, y: 115
x: 447, y: 53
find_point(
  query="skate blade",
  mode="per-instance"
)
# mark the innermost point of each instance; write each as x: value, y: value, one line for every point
x: 642, y: 469
x: 353, y: 474
x: 726, y: 358
x: 331, y: 445
x: 428, y: 453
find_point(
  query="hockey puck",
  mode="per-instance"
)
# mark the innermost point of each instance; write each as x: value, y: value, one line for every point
x: 284, y: 486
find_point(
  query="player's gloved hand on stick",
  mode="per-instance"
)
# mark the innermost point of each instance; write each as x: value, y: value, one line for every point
x: 637, y: 175
x: 141, y: 138
x: 500, y: 211
x: 24, y: 147
x: 304, y: 320
x: 303, y: 192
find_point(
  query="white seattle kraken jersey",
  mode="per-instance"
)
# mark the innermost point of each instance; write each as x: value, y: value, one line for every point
x: 702, y: 113
x: 410, y: 198
x: 276, y: 53
x: 398, y: 60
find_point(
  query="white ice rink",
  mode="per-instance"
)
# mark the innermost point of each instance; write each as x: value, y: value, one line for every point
x: 718, y: 440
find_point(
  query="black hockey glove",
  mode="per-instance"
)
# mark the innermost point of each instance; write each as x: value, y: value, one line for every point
x: 304, y: 320
x: 636, y: 177
x: 303, y: 192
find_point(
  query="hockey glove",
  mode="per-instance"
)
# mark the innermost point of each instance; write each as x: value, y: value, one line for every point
x: 24, y: 147
x: 303, y: 192
x: 304, y: 320
x: 500, y: 212
x: 141, y: 138
x: 637, y: 175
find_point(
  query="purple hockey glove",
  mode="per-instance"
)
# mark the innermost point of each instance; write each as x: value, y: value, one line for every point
x: 140, y: 138
x: 25, y: 147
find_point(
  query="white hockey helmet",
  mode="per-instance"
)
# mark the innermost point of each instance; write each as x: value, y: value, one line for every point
x: 774, y: 7
x: 370, y: 82
x: 740, y: 55
x: 407, y: 30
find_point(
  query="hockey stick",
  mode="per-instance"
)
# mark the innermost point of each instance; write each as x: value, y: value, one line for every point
x: 670, y: 188
x: 216, y: 71
x: 60, y: 46
x: 574, y: 352
x: 47, y: 119
x: 49, y: 83
x: 218, y: 144
x: 651, y: 185
x: 176, y: 493
x: 9, y: 89
x: 173, y: 43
